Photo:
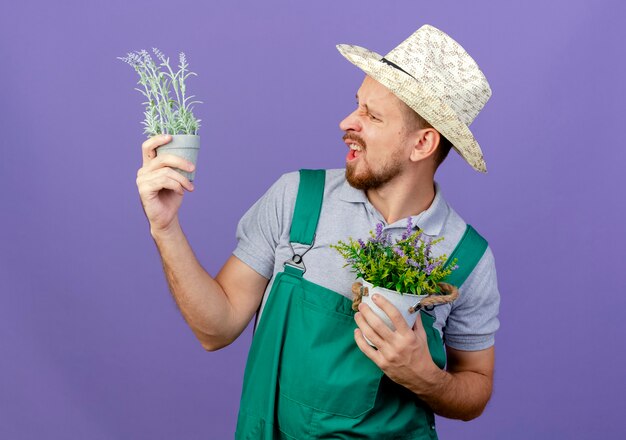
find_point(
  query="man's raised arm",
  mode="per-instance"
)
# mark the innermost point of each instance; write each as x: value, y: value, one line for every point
x: 217, y: 309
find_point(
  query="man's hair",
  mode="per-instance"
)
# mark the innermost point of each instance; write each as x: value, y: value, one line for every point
x: 415, y: 121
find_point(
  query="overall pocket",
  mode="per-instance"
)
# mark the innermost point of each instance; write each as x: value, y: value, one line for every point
x: 322, y: 368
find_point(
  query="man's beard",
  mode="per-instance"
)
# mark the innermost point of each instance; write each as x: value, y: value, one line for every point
x: 369, y: 179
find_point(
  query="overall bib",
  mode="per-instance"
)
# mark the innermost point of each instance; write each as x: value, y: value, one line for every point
x: 305, y: 377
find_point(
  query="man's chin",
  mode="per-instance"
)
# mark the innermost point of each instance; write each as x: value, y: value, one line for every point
x: 367, y: 180
x: 359, y: 181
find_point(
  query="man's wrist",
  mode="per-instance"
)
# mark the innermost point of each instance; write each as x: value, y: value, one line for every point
x: 430, y: 383
x: 163, y: 234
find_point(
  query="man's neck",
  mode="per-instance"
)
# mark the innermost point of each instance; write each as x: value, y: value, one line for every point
x: 403, y: 197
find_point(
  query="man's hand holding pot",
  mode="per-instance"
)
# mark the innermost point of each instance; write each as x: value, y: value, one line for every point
x: 160, y: 187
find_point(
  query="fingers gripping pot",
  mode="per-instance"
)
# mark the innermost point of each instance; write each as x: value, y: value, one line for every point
x: 186, y: 146
x: 406, y: 303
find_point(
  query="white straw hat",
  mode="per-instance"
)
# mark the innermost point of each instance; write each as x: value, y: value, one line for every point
x: 438, y: 79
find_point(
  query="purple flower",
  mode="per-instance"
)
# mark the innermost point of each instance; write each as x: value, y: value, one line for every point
x: 398, y: 251
x: 416, y: 244
x: 362, y: 244
x: 428, y: 246
x: 380, y: 237
x: 379, y: 231
x: 416, y: 240
x: 429, y: 268
x: 409, y: 229
x: 386, y: 240
x: 413, y: 263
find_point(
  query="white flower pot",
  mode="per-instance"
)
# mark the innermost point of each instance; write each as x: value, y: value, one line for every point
x: 185, y: 146
x: 401, y: 301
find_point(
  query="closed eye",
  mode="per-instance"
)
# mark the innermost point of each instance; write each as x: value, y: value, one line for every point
x: 366, y: 110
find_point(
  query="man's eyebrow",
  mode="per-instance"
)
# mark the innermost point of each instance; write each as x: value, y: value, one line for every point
x: 357, y: 100
x: 373, y: 111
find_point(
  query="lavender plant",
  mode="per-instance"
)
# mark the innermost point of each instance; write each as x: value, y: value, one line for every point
x: 405, y: 265
x: 164, y: 115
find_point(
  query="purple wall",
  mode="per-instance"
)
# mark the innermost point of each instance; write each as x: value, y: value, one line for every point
x: 93, y: 346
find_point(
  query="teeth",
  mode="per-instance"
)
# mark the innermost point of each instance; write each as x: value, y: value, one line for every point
x: 355, y: 147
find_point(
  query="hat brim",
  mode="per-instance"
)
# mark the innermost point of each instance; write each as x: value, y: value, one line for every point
x: 419, y: 97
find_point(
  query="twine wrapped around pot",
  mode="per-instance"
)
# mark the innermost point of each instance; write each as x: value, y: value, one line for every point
x: 452, y: 293
x: 359, y: 291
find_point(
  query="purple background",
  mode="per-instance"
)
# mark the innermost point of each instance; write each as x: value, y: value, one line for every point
x: 92, y: 345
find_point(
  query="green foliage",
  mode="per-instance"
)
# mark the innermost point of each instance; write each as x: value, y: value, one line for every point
x: 405, y: 265
x: 164, y: 115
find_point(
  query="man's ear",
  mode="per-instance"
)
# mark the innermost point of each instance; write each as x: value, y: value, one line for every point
x: 425, y: 144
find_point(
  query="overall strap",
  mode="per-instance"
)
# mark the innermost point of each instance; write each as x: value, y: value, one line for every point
x: 308, y: 206
x: 468, y: 251
x: 306, y: 214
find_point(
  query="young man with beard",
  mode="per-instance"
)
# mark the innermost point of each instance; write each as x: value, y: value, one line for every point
x: 310, y: 373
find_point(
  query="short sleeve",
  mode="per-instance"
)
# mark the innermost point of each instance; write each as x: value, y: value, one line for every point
x: 473, y: 319
x: 260, y: 229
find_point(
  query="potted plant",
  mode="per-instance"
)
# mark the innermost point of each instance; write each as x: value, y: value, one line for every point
x: 163, y: 114
x: 403, y: 271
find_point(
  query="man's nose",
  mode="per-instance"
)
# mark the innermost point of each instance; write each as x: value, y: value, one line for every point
x: 351, y: 122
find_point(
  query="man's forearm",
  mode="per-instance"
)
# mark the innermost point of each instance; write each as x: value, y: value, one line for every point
x: 461, y: 392
x: 199, y: 297
x: 456, y: 395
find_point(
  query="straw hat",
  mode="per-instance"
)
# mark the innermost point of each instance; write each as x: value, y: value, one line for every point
x: 438, y: 79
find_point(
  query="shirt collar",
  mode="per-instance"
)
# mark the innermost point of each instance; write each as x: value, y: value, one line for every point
x: 430, y: 221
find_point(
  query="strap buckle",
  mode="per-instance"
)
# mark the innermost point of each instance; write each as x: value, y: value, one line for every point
x: 296, y: 260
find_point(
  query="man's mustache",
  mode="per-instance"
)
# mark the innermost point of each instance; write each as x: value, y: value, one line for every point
x: 354, y: 137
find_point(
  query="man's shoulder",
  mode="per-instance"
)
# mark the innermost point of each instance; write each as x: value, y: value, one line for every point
x: 285, y: 187
x: 455, y: 228
x: 456, y: 222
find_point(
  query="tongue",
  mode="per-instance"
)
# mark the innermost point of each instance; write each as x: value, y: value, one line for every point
x: 353, y: 154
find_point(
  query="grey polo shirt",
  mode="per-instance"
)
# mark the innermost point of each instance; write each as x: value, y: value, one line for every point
x: 263, y: 244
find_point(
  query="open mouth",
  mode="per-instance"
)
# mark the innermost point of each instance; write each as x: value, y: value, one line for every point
x: 355, y: 151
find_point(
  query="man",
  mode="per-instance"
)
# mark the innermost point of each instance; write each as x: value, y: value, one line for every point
x: 309, y: 374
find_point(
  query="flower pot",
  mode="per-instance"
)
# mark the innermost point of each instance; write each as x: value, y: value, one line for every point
x: 401, y: 301
x: 407, y: 303
x: 185, y: 146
